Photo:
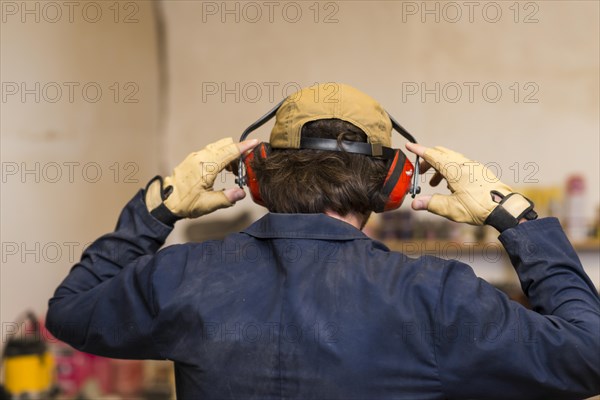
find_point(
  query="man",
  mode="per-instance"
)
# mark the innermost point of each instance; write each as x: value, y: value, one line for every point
x: 303, y: 305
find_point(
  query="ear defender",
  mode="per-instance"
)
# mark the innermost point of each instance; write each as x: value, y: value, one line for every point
x: 262, y: 150
x: 397, y: 183
x: 401, y: 178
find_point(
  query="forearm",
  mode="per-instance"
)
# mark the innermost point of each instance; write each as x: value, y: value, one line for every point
x: 550, y: 272
x: 106, y: 294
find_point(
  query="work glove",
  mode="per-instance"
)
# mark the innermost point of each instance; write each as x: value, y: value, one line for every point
x: 188, y: 191
x: 477, y: 196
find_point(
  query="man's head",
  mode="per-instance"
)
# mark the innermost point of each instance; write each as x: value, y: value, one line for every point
x: 293, y: 180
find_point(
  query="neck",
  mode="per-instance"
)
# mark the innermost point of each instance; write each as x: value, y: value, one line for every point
x: 351, y: 219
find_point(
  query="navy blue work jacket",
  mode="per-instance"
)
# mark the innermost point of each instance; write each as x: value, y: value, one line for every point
x: 305, y: 306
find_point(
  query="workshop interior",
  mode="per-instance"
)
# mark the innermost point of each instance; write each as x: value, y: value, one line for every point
x: 98, y: 97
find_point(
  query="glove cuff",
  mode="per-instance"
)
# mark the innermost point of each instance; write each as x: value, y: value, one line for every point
x: 155, y: 195
x: 510, y: 210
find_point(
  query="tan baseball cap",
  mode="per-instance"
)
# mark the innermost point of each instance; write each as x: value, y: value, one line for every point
x: 326, y: 101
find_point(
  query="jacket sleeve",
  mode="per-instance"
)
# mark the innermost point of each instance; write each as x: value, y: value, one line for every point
x: 490, y: 347
x: 105, y: 305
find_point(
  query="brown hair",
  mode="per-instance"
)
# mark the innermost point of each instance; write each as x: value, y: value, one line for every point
x: 315, y: 181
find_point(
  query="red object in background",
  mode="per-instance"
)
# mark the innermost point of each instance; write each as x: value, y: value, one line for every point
x: 74, y: 368
x: 71, y: 369
x: 575, y: 204
x: 575, y: 185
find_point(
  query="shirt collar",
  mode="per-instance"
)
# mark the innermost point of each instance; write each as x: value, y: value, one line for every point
x: 303, y: 226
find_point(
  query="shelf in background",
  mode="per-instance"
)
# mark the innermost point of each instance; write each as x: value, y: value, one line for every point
x: 587, y: 245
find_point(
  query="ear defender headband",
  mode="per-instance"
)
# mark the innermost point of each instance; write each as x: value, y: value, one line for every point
x: 402, y: 176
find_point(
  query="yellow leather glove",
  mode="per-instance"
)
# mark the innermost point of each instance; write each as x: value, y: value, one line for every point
x: 477, y: 196
x: 188, y: 191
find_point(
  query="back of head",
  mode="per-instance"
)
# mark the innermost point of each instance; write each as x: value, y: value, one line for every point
x: 293, y: 180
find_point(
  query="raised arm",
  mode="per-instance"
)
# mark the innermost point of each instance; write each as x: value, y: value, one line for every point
x: 106, y: 305
x: 486, y: 345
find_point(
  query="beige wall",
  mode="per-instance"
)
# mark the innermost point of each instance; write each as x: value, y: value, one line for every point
x: 383, y: 48
x: 69, y: 139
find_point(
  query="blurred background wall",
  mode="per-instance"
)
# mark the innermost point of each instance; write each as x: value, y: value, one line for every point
x: 98, y: 97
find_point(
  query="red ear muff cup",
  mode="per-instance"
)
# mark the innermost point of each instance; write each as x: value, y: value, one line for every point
x: 397, y: 182
x: 262, y: 150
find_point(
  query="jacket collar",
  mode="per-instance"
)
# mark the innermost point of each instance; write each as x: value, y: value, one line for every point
x: 303, y: 226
